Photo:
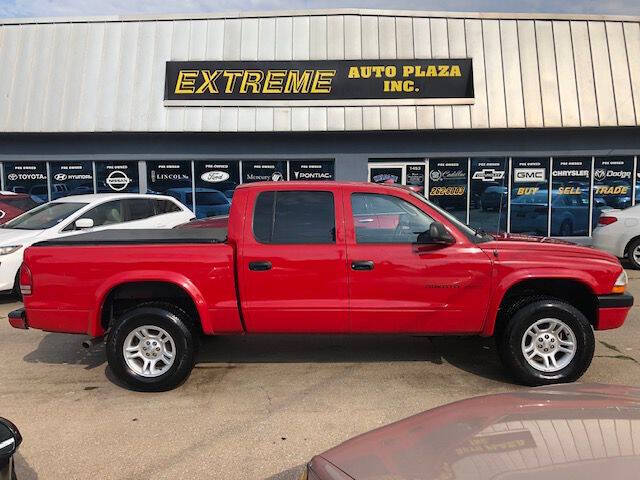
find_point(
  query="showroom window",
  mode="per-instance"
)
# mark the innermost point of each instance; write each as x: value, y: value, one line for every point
x: 70, y: 178
x: 571, y: 197
x: 117, y: 177
x: 290, y: 217
x: 488, y: 195
x: 264, y: 171
x: 448, y: 185
x: 27, y: 177
x: 170, y: 178
x: 215, y: 183
x: 613, y: 181
x: 311, y: 170
x: 530, y: 196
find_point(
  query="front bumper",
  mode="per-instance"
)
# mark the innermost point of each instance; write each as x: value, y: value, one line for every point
x: 18, y: 319
x: 613, y: 310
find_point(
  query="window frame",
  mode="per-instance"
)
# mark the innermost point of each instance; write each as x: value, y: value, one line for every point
x: 275, y: 200
x: 379, y: 194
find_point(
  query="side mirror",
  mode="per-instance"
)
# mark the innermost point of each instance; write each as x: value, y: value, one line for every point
x: 83, y: 223
x: 10, y: 439
x: 436, y: 235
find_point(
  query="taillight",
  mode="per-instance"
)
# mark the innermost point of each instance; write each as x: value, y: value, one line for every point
x: 604, y: 220
x: 26, y: 280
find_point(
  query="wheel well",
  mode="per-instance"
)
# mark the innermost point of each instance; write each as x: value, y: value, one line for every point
x: 631, y: 240
x: 128, y: 295
x: 573, y: 292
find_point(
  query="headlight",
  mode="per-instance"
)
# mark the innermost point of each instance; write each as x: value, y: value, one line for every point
x: 621, y: 283
x: 10, y: 249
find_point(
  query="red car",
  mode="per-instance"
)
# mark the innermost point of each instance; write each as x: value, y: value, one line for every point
x: 14, y: 204
x: 560, y: 432
x: 297, y: 258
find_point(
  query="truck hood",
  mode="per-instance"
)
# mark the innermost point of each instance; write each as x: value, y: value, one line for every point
x: 510, y: 241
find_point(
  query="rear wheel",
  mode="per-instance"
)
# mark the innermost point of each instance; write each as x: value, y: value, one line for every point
x: 547, y: 341
x: 634, y: 253
x: 152, y: 347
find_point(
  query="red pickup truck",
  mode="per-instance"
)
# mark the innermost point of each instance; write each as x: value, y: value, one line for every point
x: 323, y: 257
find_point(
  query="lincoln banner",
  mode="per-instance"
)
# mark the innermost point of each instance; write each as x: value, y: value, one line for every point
x: 320, y: 82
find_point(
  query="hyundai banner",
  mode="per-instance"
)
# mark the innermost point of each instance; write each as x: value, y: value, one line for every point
x: 71, y: 178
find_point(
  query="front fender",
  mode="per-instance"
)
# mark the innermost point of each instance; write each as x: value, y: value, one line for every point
x: 95, y: 326
x: 517, y: 276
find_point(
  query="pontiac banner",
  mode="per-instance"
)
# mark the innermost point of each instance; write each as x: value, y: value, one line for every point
x: 320, y: 82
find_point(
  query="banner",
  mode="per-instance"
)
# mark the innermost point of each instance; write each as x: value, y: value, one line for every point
x: 320, y: 82
x: 320, y: 170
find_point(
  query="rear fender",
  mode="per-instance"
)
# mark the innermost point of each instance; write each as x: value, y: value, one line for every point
x: 95, y: 327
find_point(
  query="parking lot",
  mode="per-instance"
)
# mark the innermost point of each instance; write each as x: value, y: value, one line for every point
x: 254, y: 408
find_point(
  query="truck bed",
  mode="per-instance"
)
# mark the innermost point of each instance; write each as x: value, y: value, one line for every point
x: 141, y: 236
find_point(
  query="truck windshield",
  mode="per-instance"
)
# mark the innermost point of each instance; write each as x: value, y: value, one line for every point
x: 44, y: 216
x: 475, y: 236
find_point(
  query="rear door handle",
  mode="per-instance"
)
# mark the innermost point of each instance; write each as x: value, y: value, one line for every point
x: 365, y: 220
x: 362, y: 265
x: 259, y: 266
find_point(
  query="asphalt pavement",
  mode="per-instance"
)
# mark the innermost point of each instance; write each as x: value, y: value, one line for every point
x: 255, y: 407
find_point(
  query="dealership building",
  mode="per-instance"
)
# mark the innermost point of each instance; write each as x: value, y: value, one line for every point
x: 513, y: 122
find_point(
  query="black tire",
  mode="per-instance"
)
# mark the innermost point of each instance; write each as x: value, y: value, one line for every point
x: 632, y: 246
x: 16, y: 287
x: 566, y: 229
x: 509, y: 340
x: 176, y: 323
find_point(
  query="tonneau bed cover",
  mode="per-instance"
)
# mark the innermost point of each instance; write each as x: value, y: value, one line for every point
x: 141, y: 236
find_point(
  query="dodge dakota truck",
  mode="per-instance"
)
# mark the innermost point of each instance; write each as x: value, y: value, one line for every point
x: 323, y: 258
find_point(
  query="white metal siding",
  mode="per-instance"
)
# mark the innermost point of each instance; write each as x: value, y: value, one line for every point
x: 529, y: 71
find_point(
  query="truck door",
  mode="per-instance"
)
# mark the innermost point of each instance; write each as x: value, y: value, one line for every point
x: 395, y: 288
x: 293, y: 268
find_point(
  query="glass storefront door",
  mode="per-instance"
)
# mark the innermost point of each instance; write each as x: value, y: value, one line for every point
x: 410, y: 173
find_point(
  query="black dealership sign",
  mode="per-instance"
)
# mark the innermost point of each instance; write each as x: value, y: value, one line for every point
x: 343, y: 81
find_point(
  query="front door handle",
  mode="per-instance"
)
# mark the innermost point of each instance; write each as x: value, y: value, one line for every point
x: 362, y: 265
x: 365, y: 220
x: 259, y: 266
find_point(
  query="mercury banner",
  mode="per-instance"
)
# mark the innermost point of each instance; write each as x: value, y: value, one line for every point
x: 320, y: 82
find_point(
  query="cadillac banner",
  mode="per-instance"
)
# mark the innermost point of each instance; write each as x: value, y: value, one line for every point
x: 325, y: 82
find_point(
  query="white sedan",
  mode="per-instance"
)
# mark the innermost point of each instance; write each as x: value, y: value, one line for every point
x: 618, y: 232
x: 69, y: 215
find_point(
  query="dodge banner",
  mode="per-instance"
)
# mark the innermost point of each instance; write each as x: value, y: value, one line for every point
x: 325, y: 82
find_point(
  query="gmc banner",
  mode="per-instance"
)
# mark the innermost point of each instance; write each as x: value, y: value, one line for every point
x: 325, y: 82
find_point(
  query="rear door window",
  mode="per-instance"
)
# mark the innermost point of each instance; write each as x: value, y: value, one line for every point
x: 138, y: 209
x: 290, y: 217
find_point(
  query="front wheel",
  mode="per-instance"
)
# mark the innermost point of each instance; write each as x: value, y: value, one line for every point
x: 151, y: 348
x: 546, y: 342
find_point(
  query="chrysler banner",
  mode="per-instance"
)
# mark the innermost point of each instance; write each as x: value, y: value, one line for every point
x: 325, y: 82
